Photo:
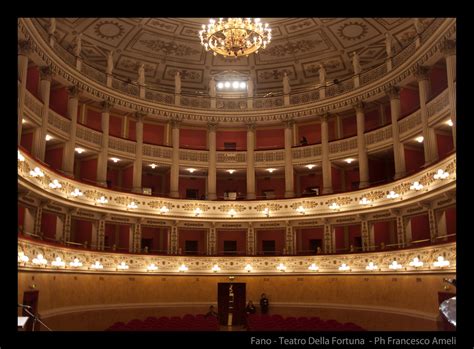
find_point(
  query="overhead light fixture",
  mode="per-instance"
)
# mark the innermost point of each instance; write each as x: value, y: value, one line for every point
x: 102, y: 200
x: 395, y: 266
x: 313, y: 267
x: 115, y: 159
x: 441, y: 174
x: 419, y: 139
x: 80, y: 150
x: 191, y: 170
x: 364, y: 201
x: 75, y: 263
x: 392, y: 195
x: 36, y: 172
x: 310, y: 166
x: 152, y: 267
x: 77, y: 193
x: 271, y: 170
x: 371, y: 266
x: 416, y: 263
x: 58, y: 263
x: 183, y: 268
x: 215, y: 268
x: 344, y: 267
x: 55, y: 184
x: 441, y: 262
x: 122, y: 266
x: 416, y: 186
x: 281, y: 267
x: 48, y: 138
x: 450, y: 123
x: 21, y: 158
x: 349, y: 160
x: 235, y: 37
x: 97, y: 265
x: 39, y: 260
x: 230, y: 171
x: 132, y: 205
x: 164, y: 209
x: 220, y: 85
x: 248, y: 268
x: 153, y: 166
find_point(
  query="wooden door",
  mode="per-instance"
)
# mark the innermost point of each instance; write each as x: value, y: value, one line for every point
x: 31, y: 298
x: 231, y: 303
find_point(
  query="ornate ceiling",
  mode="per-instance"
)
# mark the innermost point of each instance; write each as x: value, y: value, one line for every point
x: 167, y: 45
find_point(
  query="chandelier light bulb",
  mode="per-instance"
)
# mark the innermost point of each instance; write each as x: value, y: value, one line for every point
x: 232, y: 212
x: 301, y: 210
x: 36, y: 172
x: 48, y: 138
x: 420, y: 139
x: 220, y: 85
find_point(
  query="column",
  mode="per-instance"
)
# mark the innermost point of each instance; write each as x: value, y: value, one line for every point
x: 59, y: 229
x: 94, y: 238
x: 398, y: 150
x: 211, y: 174
x: 432, y: 223
x: 211, y: 241
x: 361, y: 147
x: 173, y: 239
x: 327, y: 176
x: 322, y: 81
x: 449, y: 50
x: 429, y: 142
x: 400, y: 224
x: 339, y: 131
x: 124, y: 133
x: 136, y: 237
x: 38, y: 218
x: 67, y: 225
x: 441, y: 225
x: 289, y: 180
x: 102, y: 157
x: 328, y: 238
x: 138, y: 162
x: 251, y: 161
x: 69, y: 148
x: 23, y: 51
x: 290, y: 239
x: 251, y: 241
x: 383, y: 115
x: 101, y: 234
x: 364, y: 233
x: 174, y: 173
x: 39, y: 145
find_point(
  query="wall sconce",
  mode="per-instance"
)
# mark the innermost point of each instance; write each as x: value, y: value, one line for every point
x: 313, y: 267
x: 97, y: 265
x: 21, y: 158
x: 441, y: 262
x: 77, y: 193
x: 36, y: 172
x: 395, y: 266
x: 271, y: 170
x: 281, y: 267
x: 75, y: 263
x: 39, y: 260
x: 22, y: 258
x: 310, y: 166
x: 231, y: 171
x: 371, y: 266
x: 102, y: 200
x: 153, y: 166
x: 248, y: 268
x: 115, y: 160
x: 266, y: 212
x: 58, y: 263
x: 441, y: 174
x: 152, y: 267
x: 122, y: 266
x: 392, y: 195
x: 55, y: 184
x: 344, y: 267
x: 79, y: 150
x: 232, y: 213
x: 183, y: 268
x: 48, y: 138
x: 349, y: 160
x: 197, y: 212
x: 364, y: 201
x: 301, y: 210
x: 450, y: 123
x: 216, y: 268
x: 164, y: 209
x: 420, y: 139
x: 416, y: 186
x: 132, y: 205
x: 416, y: 263
x: 334, y: 206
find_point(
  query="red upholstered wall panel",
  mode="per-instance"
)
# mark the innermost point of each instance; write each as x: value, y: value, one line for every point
x: 238, y: 235
x: 27, y: 141
x: 372, y: 119
x: 409, y: 101
x: 109, y: 235
x: 153, y: 134
x: 451, y: 220
x: 113, y: 176
x: 193, y: 138
x: 237, y: 137
x: 380, y: 170
x: 124, y: 237
x: 438, y: 80
x: 382, y: 231
x: 88, y: 170
x: 388, y: 114
x: 339, y: 235
x: 354, y: 232
x: 94, y: 119
x: 310, y: 234
x: 153, y: 181
x: 273, y: 138
x: 197, y: 183
x: 275, y: 184
x: 332, y: 129
x: 193, y: 234
x: 336, y: 179
x: 54, y: 157
x: 310, y: 181
x: 132, y: 132
x: 274, y: 234
x: 127, y: 178
x: 352, y: 176
x: 58, y: 101
x: 349, y: 126
x: 115, y: 126
x: 82, y: 231
x: 420, y: 228
x: 32, y: 81
x: 445, y: 145
x: 154, y: 234
x: 238, y: 185
x: 48, y: 224
x: 414, y: 159
x: 312, y: 132
x: 21, y: 216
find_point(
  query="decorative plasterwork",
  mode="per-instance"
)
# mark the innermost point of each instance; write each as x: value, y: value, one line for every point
x: 377, y: 86
x: 328, y: 264
x: 348, y: 203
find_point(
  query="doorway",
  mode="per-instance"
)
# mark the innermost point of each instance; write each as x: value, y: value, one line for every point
x: 231, y: 303
x: 31, y: 298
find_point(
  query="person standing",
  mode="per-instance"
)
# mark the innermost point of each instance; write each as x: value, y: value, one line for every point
x: 264, y: 304
x: 250, y: 308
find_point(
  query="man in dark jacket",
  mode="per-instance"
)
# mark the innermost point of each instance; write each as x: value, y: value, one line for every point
x: 264, y: 304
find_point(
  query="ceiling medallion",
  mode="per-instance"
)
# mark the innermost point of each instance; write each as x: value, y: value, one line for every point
x: 235, y: 37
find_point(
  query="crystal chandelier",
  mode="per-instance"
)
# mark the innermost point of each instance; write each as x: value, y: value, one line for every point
x: 235, y: 37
